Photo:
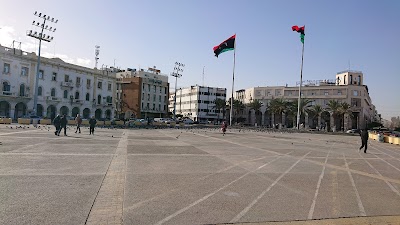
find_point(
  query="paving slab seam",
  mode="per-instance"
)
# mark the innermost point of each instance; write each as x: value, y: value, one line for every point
x: 107, y: 207
x: 321, y: 164
x: 166, y: 219
x: 247, y: 208
x: 359, y: 202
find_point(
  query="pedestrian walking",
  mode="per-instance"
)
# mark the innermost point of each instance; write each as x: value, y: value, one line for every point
x: 223, y: 128
x: 64, y: 122
x: 92, y: 124
x: 364, y: 139
x: 57, y: 124
x: 78, y: 122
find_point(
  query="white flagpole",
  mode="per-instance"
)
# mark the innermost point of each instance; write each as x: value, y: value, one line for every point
x: 233, y: 81
x: 301, y: 83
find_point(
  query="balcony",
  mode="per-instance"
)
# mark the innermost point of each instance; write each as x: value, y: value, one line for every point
x: 77, y: 101
x: 67, y: 84
x: 51, y: 98
x: 7, y: 93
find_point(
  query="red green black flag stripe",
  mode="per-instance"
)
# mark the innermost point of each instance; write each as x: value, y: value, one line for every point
x: 227, y: 45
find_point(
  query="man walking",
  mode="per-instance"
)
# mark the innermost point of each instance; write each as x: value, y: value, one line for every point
x: 78, y: 121
x: 57, y: 124
x: 364, y: 139
x: 63, y: 125
x: 92, y: 124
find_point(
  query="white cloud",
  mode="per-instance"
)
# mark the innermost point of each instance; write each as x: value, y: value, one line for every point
x: 8, y: 35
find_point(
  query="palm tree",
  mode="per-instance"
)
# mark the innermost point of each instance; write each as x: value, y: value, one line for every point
x: 345, y: 108
x: 255, y: 105
x: 333, y: 107
x: 219, y: 104
x: 237, y: 107
x: 304, y: 106
x: 278, y: 106
x: 315, y: 111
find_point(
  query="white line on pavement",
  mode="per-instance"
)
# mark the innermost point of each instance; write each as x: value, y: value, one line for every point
x: 245, y: 210
x: 359, y: 202
x: 213, y: 193
x: 321, y: 176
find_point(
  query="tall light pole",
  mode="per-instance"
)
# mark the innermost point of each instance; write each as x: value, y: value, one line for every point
x: 40, y: 36
x: 177, y: 73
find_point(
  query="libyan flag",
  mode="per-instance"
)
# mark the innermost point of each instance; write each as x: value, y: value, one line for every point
x: 227, y: 45
x: 301, y: 31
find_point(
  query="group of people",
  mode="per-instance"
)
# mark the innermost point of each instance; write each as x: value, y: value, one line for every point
x: 60, y: 122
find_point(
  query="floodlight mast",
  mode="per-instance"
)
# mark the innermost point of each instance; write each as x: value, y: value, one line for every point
x: 40, y: 36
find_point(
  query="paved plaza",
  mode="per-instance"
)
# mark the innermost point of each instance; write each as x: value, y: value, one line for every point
x: 196, y: 176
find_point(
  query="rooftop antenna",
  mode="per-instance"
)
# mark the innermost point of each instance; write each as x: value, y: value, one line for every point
x: 203, y: 76
x: 349, y: 64
x: 96, y: 53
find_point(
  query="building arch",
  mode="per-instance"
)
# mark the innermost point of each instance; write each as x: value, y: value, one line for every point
x: 64, y: 110
x: 39, y: 110
x: 5, y: 109
x: 20, y: 110
x: 75, y: 111
x: 86, y: 113
x: 51, y: 112
x: 97, y: 114
x: 108, y: 114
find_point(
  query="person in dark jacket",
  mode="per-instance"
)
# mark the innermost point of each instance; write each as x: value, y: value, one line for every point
x: 57, y: 124
x: 64, y: 122
x: 92, y: 124
x: 364, y: 139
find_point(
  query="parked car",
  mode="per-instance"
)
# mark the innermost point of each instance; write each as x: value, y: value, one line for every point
x: 188, y: 121
x: 352, y: 131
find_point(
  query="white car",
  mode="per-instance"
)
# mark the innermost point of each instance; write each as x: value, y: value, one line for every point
x: 188, y: 121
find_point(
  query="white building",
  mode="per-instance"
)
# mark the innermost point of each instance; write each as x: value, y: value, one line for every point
x: 64, y: 88
x: 197, y: 103
x: 142, y: 93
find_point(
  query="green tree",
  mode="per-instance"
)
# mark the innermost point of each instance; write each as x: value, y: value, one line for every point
x: 315, y: 111
x: 237, y: 107
x: 345, y: 108
x: 278, y: 106
x: 220, y: 104
x: 256, y: 106
x: 334, y: 109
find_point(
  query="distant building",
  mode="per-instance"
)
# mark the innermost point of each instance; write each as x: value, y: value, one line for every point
x: 197, y: 103
x: 347, y: 87
x: 64, y: 88
x: 142, y: 94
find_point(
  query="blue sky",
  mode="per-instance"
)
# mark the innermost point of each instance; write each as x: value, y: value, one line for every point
x: 157, y: 33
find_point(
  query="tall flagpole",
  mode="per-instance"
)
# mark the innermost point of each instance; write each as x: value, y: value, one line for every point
x: 233, y: 81
x: 301, y: 83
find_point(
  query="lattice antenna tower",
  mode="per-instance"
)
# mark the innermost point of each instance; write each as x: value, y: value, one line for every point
x: 96, y: 53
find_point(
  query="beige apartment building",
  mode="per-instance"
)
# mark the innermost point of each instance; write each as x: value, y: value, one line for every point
x: 347, y: 87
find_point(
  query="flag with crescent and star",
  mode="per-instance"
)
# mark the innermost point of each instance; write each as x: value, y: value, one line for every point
x: 227, y: 45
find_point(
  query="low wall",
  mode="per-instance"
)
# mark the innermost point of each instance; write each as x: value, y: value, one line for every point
x: 24, y: 121
x: 45, y: 121
x: 5, y: 120
x: 386, y: 139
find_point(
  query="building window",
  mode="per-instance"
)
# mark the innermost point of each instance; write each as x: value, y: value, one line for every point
x: 99, y: 84
x: 339, y: 92
x: 142, y: 96
x: 359, y: 80
x: 66, y: 78
x: 165, y: 90
x: 160, y: 90
x: 24, y: 71
x: 142, y: 88
x: 326, y: 93
x: 88, y: 83
x: 351, y: 79
x: 164, y: 107
x: 154, y: 106
x: 53, y: 92
x: 148, y: 87
x: 155, y: 88
x: 87, y: 97
x: 77, y: 95
x: 355, y: 93
x: 109, y: 87
x: 41, y: 72
x: 78, y: 80
x: 6, y: 87
x: 142, y: 105
x: 99, y: 99
x: 159, y: 98
x: 6, y: 68
x: 65, y: 94
x: 344, y: 81
x: 22, y: 90
x: 54, y: 76
x: 148, y: 97
x: 148, y: 106
x: 154, y: 98
x: 40, y: 90
x: 159, y: 107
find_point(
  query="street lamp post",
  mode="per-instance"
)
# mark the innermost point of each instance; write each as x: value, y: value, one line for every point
x: 177, y: 73
x: 40, y: 36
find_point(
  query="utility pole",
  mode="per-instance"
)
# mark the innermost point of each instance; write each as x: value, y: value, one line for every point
x: 177, y: 73
x: 40, y: 36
